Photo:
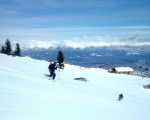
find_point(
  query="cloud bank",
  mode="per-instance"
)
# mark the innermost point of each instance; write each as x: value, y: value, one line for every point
x: 85, y: 42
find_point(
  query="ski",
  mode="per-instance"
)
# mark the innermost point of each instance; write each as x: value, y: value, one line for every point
x: 47, y: 75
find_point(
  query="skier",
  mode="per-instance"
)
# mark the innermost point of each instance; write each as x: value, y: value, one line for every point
x: 52, y: 67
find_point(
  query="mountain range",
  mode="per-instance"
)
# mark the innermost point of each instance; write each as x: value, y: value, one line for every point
x: 106, y: 56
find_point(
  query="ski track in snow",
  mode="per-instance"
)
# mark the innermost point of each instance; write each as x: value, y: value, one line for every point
x: 12, y: 70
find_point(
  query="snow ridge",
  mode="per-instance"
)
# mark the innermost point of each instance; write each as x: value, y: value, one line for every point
x: 26, y: 94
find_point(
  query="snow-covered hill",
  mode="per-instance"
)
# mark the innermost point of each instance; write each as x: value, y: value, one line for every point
x: 26, y: 94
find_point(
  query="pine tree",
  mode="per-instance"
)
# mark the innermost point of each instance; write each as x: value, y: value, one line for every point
x: 8, y: 47
x: 3, y: 50
x: 17, y: 50
x: 60, y: 59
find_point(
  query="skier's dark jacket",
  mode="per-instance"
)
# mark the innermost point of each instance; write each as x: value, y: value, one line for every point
x: 52, y: 67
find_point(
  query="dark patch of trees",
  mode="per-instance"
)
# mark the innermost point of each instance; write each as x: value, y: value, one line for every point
x: 7, y: 49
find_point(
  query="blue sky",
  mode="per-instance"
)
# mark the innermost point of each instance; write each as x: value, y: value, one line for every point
x: 69, y: 19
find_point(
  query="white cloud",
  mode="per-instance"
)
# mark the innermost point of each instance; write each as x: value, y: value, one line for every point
x: 85, y: 42
x: 78, y: 36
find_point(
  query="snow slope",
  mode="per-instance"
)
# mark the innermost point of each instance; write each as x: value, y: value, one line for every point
x: 26, y: 94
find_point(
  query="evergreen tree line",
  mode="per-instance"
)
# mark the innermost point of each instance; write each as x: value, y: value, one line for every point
x: 6, y: 49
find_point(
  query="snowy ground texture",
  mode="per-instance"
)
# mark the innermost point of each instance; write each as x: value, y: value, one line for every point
x: 26, y: 94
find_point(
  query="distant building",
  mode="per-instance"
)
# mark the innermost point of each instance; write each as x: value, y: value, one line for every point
x: 123, y: 70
